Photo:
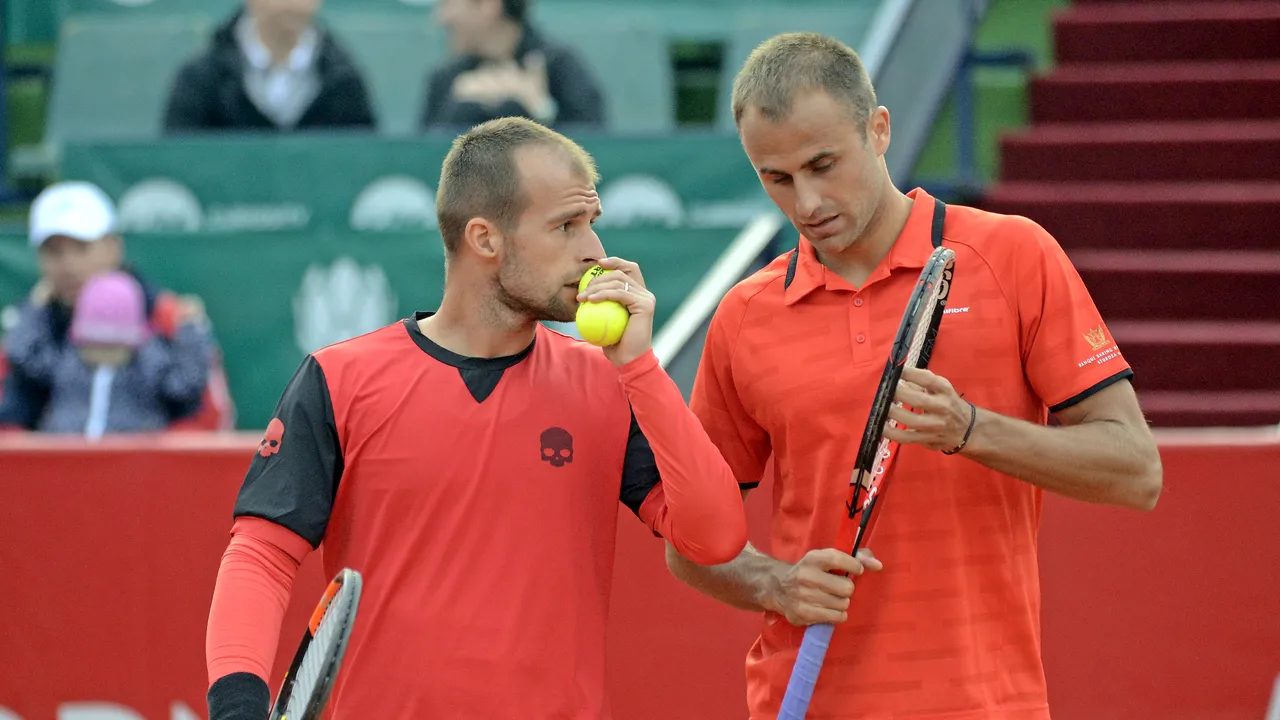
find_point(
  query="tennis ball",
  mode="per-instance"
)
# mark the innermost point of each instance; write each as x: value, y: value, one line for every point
x: 600, y: 323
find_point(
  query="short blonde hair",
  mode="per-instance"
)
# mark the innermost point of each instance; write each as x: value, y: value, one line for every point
x: 791, y: 62
x: 479, y: 177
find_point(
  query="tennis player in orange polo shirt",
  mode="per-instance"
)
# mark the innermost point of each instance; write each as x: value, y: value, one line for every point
x: 947, y: 628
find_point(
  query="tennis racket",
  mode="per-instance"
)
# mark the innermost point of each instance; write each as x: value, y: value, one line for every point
x: 911, y: 348
x: 305, y: 690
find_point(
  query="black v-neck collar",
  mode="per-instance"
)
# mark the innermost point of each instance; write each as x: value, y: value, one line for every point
x: 480, y: 375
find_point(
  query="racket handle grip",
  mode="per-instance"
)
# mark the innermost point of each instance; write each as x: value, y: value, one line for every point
x: 804, y: 676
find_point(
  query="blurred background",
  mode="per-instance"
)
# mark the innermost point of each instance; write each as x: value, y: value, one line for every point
x: 257, y: 180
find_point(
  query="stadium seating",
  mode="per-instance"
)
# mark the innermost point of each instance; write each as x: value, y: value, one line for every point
x: 113, y: 74
x: 1152, y: 157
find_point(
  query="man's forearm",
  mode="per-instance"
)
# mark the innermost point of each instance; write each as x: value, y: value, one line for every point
x: 746, y: 582
x: 1101, y: 461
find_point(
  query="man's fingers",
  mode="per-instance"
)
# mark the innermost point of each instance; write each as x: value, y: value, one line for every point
x: 869, y: 560
x: 616, y: 278
x: 828, y: 584
x: 900, y: 435
x: 916, y: 397
x: 832, y: 560
x: 626, y: 267
x: 906, y: 418
x: 813, y: 616
x: 927, y: 380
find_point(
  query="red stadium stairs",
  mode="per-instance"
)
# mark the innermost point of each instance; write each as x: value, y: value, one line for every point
x: 1153, y: 156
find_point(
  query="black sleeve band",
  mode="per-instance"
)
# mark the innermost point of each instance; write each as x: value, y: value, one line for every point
x: 293, y: 477
x: 1122, y: 375
x: 239, y: 696
x: 639, y: 469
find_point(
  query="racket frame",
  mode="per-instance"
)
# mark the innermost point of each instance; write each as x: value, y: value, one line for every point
x: 346, y: 581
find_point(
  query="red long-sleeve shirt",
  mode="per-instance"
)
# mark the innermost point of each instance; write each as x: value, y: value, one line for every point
x: 478, y: 497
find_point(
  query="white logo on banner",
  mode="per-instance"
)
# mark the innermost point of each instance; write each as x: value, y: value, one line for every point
x: 339, y: 302
x: 640, y: 200
x: 394, y: 202
x: 160, y: 204
x: 105, y: 711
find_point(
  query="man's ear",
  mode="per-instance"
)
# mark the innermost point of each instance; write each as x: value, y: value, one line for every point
x: 878, y: 130
x: 483, y: 238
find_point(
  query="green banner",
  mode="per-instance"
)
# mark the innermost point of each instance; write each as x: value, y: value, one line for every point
x: 273, y: 297
x: 294, y: 183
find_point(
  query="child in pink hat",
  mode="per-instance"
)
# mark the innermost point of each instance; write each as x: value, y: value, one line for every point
x: 110, y: 320
x: 116, y: 375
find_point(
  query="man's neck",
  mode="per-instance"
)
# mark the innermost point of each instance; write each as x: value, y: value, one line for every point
x: 278, y: 41
x: 477, y: 326
x: 500, y: 44
x: 860, y: 259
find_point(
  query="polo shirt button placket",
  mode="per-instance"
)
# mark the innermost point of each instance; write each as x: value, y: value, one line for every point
x: 859, y: 320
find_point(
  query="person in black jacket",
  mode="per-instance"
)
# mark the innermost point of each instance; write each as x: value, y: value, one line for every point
x: 271, y: 66
x: 506, y: 68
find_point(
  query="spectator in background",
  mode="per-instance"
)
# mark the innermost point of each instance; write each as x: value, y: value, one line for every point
x: 73, y: 229
x: 272, y: 66
x: 115, y: 376
x: 506, y: 68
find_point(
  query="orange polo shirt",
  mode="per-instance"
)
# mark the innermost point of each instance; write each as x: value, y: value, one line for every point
x: 950, y: 629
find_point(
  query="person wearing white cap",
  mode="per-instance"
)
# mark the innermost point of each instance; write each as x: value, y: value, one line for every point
x: 74, y: 230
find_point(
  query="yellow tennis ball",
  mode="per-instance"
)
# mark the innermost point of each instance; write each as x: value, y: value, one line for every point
x: 600, y: 323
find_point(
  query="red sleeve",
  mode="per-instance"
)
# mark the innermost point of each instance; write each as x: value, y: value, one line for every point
x: 697, y: 506
x: 250, y: 598
x: 743, y: 443
x: 1068, y: 352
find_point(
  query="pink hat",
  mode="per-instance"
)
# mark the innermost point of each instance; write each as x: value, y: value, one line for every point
x: 111, y: 310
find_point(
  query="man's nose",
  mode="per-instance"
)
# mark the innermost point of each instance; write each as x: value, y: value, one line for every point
x: 808, y: 200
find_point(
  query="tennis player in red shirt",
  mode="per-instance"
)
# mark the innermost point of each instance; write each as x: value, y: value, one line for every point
x: 469, y: 463
x: 947, y: 628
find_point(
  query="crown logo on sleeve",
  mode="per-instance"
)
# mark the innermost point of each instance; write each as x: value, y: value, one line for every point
x: 1097, y: 338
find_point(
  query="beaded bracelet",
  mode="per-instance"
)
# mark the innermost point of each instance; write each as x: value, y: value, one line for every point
x: 973, y: 419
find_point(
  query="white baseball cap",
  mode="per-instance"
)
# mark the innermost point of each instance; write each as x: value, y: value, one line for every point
x: 76, y: 209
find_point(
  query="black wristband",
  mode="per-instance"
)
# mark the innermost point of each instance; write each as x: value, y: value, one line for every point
x: 239, y: 696
x: 973, y: 419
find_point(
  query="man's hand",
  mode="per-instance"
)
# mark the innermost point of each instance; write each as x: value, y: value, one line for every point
x: 493, y: 84
x: 811, y: 592
x: 625, y: 285
x: 938, y: 417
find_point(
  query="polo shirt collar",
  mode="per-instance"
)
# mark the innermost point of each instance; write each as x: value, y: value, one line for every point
x: 911, y: 250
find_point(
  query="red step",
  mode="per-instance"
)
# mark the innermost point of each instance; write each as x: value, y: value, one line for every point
x: 1201, y: 150
x: 1175, y: 216
x: 1172, y: 408
x: 1107, y: 92
x: 1147, y: 31
x: 1188, y: 284
x: 1207, y: 356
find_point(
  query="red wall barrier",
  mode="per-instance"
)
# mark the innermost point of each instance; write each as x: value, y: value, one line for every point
x: 108, y: 556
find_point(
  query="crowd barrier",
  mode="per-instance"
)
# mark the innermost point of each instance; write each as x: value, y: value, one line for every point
x: 109, y: 554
